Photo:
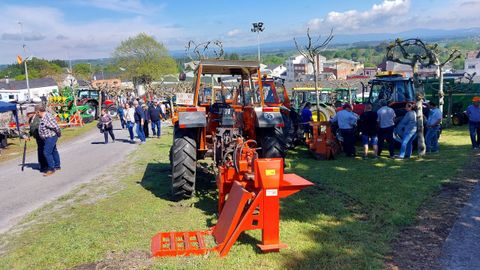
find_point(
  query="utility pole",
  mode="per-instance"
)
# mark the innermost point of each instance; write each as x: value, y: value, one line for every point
x: 25, y: 61
x: 257, y: 28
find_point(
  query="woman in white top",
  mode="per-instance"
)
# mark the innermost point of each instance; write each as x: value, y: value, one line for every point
x: 130, y: 119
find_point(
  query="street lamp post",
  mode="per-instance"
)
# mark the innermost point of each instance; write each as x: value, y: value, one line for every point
x: 257, y: 28
x: 25, y: 61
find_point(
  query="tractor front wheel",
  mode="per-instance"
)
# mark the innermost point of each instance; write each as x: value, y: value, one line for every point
x: 272, y: 142
x: 183, y: 158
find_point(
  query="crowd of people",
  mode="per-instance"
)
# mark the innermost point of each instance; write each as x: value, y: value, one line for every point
x: 138, y: 115
x: 379, y: 128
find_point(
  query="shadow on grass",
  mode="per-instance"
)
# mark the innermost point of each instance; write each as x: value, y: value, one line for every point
x: 157, y: 180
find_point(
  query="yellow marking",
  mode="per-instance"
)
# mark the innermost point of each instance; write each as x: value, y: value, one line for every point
x: 270, y: 172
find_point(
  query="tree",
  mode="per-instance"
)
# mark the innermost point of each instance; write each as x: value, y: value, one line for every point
x: 452, y: 55
x: 82, y: 71
x: 311, y: 52
x: 414, y: 52
x: 141, y: 56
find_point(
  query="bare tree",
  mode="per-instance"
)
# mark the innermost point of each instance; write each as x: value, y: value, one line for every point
x: 414, y: 52
x: 454, y: 54
x: 311, y: 52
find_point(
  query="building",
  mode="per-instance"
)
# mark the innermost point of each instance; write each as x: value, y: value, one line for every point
x: 342, y: 68
x: 369, y: 71
x: 472, y: 62
x: 299, y: 65
x: 16, y: 91
x: 279, y: 71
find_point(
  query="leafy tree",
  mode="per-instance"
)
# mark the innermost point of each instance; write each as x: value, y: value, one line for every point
x: 82, y: 71
x: 143, y: 56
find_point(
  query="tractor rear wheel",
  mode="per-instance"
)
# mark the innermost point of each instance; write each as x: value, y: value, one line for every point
x: 183, y: 156
x: 457, y: 120
x: 272, y: 142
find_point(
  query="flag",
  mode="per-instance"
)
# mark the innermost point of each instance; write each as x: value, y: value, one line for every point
x: 19, y: 59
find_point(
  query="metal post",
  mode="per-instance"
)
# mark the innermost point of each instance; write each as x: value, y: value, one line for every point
x: 25, y: 61
x: 257, y: 28
x: 258, y: 45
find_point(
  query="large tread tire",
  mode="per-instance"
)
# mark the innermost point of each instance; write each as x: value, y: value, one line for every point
x: 289, y: 132
x: 184, y: 165
x: 272, y: 142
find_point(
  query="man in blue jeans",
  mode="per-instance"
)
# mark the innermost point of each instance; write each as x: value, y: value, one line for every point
x: 473, y: 113
x: 139, y: 121
x: 434, y: 121
x: 49, y: 132
x: 156, y: 115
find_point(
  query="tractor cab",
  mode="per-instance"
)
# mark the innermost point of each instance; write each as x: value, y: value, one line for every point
x: 394, y: 89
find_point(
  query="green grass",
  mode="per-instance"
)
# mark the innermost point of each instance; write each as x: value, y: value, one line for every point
x: 346, y: 221
x: 15, y: 145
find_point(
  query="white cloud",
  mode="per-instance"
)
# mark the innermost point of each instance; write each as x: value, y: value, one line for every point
x: 378, y: 16
x: 127, y: 6
x: 49, y: 35
x: 234, y: 32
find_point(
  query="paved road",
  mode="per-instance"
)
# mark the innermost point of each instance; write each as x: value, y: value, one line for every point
x: 83, y: 159
x: 462, y: 248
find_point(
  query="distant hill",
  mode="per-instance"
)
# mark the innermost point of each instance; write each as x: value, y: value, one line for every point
x: 430, y: 35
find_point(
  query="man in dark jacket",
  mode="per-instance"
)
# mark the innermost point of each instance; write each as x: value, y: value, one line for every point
x: 147, y: 120
x: 139, y: 121
x: 156, y: 114
x: 34, y: 132
x: 368, y: 128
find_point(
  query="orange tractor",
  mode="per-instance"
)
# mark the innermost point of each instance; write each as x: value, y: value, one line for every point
x: 226, y: 104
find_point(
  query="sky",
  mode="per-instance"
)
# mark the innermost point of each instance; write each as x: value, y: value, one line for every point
x: 90, y: 29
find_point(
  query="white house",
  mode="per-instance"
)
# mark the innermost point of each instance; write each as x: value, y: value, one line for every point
x: 299, y: 65
x: 17, y: 91
x: 279, y: 71
x: 472, y: 62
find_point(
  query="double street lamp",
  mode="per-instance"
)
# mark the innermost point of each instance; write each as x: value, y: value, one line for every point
x: 258, y: 27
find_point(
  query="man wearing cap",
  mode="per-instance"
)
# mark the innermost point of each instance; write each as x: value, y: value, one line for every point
x: 473, y: 113
x: 434, y: 121
x: 386, y: 122
x: 49, y: 131
x: 155, y: 113
x: 347, y: 120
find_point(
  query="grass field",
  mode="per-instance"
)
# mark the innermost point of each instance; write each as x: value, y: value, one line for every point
x: 15, y: 146
x: 346, y: 221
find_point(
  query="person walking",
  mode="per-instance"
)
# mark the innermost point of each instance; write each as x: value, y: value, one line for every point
x: 164, y: 111
x: 473, y: 113
x: 434, y: 122
x: 129, y: 118
x: 368, y: 128
x: 407, y: 130
x: 121, y: 115
x: 155, y: 113
x: 139, y: 117
x: 35, y: 133
x: 386, y: 123
x: 107, y: 126
x: 49, y: 132
x: 147, y: 120
x: 347, y: 120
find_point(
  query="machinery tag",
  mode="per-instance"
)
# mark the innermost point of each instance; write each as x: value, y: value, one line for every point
x: 270, y: 172
x: 271, y: 192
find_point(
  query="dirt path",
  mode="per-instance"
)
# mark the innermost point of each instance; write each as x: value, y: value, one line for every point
x: 420, y: 246
x: 83, y: 159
